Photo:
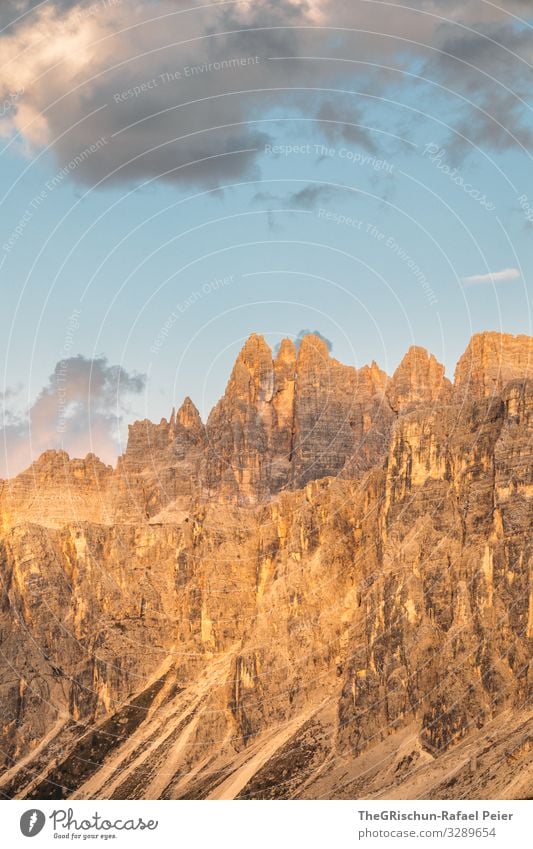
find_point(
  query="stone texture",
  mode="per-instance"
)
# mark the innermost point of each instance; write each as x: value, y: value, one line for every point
x: 295, y: 418
x: 330, y: 595
x: 419, y: 379
x: 490, y: 361
x: 160, y: 467
x: 56, y: 489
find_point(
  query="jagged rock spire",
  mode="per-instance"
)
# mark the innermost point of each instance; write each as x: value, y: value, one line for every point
x: 188, y: 415
x: 418, y: 379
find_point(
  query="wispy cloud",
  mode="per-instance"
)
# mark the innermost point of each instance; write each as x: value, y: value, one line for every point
x: 306, y: 198
x: 506, y: 275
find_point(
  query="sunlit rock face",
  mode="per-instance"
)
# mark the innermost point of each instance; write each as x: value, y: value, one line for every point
x: 324, y: 591
x: 490, y: 361
x: 293, y: 418
x: 419, y: 379
x: 160, y: 466
x: 56, y: 489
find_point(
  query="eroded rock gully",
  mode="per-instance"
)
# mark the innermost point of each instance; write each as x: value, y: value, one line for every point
x: 326, y: 591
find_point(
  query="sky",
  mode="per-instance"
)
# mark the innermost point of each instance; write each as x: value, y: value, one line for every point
x: 177, y: 175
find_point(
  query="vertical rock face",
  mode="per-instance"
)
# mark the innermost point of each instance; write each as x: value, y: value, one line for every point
x: 296, y: 418
x: 55, y: 488
x: 340, y: 414
x: 240, y: 428
x: 160, y: 466
x: 324, y: 413
x: 85, y: 620
x: 492, y: 360
x: 325, y: 592
x: 513, y: 468
x: 418, y: 379
x: 443, y: 524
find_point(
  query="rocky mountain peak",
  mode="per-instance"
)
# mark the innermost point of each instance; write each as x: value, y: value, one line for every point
x: 188, y: 416
x: 418, y: 379
x: 51, y: 458
x: 312, y: 349
x: 281, y: 423
x: 255, y: 351
x: 490, y: 361
x: 56, y: 463
x: 252, y: 377
x: 286, y: 352
x: 371, y: 379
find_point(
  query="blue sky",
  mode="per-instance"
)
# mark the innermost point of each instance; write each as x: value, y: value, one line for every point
x: 370, y: 239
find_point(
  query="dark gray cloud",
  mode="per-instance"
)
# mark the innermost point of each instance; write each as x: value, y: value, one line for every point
x: 79, y: 410
x: 342, y: 122
x: 490, y: 67
x: 15, y: 13
x: 168, y: 97
x: 310, y: 196
x: 306, y: 198
x: 166, y: 92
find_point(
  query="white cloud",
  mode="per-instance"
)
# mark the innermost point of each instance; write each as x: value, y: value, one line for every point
x: 503, y: 276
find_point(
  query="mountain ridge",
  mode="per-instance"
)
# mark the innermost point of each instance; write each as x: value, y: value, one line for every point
x: 283, y: 420
x: 209, y: 620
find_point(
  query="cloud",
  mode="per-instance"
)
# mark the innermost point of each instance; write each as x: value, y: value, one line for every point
x: 9, y: 393
x: 307, y: 332
x: 504, y: 276
x: 172, y: 97
x: 300, y: 336
x: 310, y: 196
x: 341, y: 122
x: 306, y: 198
x: 489, y: 66
x: 80, y: 410
x: 191, y: 94
x: 14, y: 13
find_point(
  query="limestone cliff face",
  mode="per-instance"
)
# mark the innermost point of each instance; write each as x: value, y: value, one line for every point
x: 419, y: 379
x: 56, y: 489
x: 451, y: 560
x: 492, y: 360
x: 160, y: 466
x: 338, y: 409
x: 241, y: 454
x: 295, y: 418
x: 330, y: 596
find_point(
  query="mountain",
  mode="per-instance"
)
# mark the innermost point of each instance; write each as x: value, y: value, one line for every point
x: 323, y: 592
